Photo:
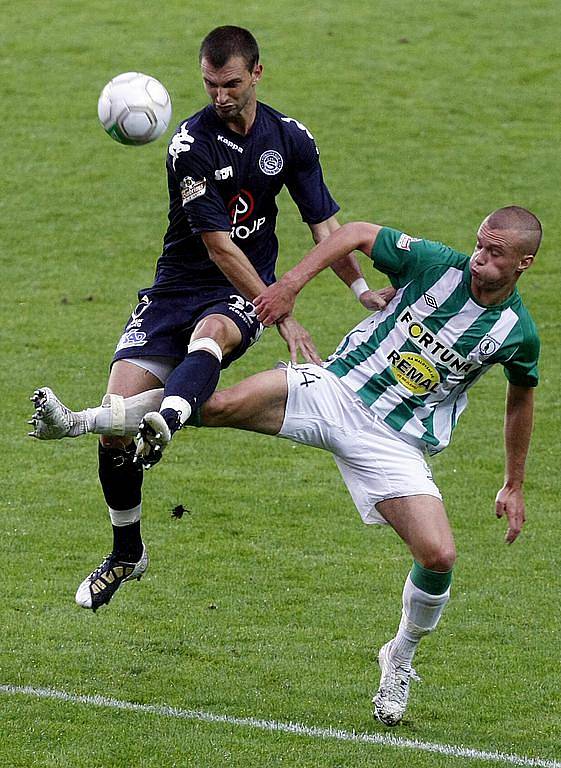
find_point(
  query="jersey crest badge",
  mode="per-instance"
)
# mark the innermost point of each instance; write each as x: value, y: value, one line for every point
x: 271, y: 162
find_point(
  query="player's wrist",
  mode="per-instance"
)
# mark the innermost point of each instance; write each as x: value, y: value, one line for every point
x: 358, y: 287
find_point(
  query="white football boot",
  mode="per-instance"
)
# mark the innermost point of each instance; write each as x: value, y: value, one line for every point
x: 390, y: 701
x: 152, y: 438
x: 52, y: 420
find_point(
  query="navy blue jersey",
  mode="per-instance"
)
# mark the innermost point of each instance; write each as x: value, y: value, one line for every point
x: 220, y: 181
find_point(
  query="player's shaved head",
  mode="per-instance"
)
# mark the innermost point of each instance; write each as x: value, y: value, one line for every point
x: 223, y: 43
x: 519, y: 220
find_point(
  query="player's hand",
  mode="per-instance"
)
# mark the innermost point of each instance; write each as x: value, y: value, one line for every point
x: 298, y: 340
x: 275, y: 302
x: 510, y: 502
x: 375, y: 300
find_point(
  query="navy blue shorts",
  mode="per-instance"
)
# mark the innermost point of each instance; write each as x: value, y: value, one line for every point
x: 162, y: 323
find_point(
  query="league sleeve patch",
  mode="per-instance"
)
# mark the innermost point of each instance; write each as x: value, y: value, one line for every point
x: 191, y: 189
x: 404, y: 241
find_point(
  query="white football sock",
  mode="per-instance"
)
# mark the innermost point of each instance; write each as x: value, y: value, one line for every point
x: 421, y: 613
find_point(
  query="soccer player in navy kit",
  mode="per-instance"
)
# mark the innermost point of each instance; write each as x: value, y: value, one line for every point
x: 225, y: 166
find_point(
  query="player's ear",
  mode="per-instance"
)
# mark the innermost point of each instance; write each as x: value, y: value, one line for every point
x: 256, y: 74
x: 525, y: 262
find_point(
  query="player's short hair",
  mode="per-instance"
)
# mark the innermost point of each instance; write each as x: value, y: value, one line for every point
x: 224, y: 42
x: 523, y: 221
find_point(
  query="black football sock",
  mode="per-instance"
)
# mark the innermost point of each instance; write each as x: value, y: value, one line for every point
x: 121, y: 481
x: 194, y: 380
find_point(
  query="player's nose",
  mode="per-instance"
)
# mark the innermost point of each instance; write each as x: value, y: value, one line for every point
x: 221, y: 96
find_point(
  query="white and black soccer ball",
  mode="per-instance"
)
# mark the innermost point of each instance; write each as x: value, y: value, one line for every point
x: 134, y: 108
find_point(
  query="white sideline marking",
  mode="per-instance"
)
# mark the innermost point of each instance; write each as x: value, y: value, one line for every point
x: 382, y: 739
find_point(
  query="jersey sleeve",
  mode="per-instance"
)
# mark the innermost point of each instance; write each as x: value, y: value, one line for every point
x: 190, y: 171
x: 402, y: 257
x: 522, y: 369
x: 305, y: 181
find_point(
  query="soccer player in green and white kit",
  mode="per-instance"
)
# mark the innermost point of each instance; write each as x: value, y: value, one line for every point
x: 393, y: 392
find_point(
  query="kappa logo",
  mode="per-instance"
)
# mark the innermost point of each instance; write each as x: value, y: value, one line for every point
x: 404, y: 241
x: 229, y: 143
x: 136, y: 317
x: 180, y: 142
x: 271, y: 162
x: 191, y: 189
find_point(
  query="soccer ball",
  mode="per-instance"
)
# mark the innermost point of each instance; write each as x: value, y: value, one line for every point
x: 134, y: 108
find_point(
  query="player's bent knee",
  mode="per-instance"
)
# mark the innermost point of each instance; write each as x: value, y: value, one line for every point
x: 112, y: 441
x: 439, y: 558
x: 219, y: 409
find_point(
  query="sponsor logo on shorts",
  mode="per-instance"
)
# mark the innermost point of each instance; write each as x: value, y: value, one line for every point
x: 132, y: 338
x: 191, y: 189
x: 271, y: 162
x: 404, y: 241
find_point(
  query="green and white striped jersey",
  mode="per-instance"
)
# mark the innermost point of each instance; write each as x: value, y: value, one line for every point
x: 413, y: 362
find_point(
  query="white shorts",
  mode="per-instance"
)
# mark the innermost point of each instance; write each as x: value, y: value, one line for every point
x: 375, y: 463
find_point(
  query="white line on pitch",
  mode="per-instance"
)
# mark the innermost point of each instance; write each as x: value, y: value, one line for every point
x: 298, y: 729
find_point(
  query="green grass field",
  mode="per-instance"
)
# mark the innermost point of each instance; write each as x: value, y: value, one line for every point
x: 268, y: 600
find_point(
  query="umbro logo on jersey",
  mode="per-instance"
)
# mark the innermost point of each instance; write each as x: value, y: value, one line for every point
x: 430, y: 300
x: 224, y: 173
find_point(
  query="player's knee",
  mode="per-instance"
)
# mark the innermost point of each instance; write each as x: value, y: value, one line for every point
x: 440, y: 557
x: 118, y: 442
x: 219, y: 409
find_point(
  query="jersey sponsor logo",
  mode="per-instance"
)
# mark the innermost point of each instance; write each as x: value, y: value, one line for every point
x: 229, y: 143
x: 224, y: 173
x: 133, y: 338
x: 414, y: 372
x: 180, y: 142
x: 271, y: 162
x: 428, y: 343
x: 404, y: 241
x: 191, y: 189
x: 488, y: 345
x: 240, y: 209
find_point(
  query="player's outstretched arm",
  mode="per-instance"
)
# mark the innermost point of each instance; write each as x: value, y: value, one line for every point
x: 349, y: 272
x: 277, y: 300
x: 519, y: 415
